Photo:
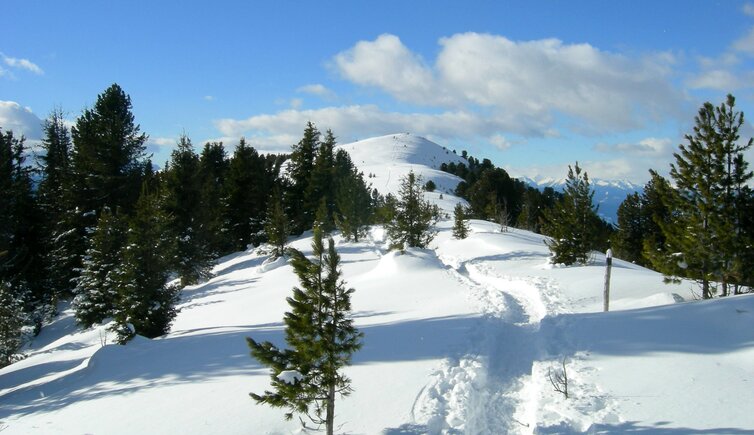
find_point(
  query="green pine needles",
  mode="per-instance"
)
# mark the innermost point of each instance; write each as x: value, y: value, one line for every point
x: 414, y: 218
x: 573, y: 221
x: 321, y: 337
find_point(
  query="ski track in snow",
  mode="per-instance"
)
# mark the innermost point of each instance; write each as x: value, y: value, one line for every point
x: 498, y: 391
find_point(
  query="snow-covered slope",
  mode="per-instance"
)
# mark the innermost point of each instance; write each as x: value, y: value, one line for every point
x: 458, y: 339
x: 385, y: 160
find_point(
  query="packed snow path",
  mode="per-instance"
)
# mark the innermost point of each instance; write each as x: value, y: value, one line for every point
x: 485, y: 391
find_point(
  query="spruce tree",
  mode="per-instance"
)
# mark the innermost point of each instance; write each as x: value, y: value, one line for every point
x: 96, y: 292
x: 321, y: 338
x: 573, y: 220
x: 193, y: 257
x: 414, y: 218
x: 460, y: 222
x: 146, y: 303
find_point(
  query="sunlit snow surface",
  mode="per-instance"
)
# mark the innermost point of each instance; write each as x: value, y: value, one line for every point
x: 458, y: 339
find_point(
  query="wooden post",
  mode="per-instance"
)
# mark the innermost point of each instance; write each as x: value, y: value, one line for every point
x: 609, y: 261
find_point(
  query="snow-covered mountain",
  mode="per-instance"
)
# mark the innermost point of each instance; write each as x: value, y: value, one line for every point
x: 385, y: 160
x: 459, y: 338
x: 608, y: 194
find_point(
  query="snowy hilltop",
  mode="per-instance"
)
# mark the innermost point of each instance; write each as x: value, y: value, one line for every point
x: 384, y: 160
x: 468, y: 336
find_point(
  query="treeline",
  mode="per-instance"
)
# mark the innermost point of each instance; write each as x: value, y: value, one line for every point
x: 91, y: 220
x: 699, y: 224
x: 494, y: 195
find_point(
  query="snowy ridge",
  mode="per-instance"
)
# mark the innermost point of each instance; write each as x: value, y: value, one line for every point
x: 384, y: 160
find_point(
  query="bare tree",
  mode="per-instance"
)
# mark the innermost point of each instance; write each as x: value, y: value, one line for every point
x: 559, y: 378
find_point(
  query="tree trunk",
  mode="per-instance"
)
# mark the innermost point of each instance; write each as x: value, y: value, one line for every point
x: 330, y: 417
x: 705, y: 289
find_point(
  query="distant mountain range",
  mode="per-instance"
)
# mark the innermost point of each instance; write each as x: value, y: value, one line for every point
x: 608, y: 194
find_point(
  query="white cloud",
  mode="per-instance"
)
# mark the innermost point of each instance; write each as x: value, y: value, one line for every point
x: 745, y: 44
x: 613, y: 169
x: 353, y: 122
x: 24, y: 64
x: 718, y: 79
x: 532, y: 82
x: 388, y: 64
x: 500, y: 142
x: 748, y: 9
x: 318, y: 90
x: 209, y: 98
x: 296, y: 103
x: 163, y: 141
x: 20, y: 119
x: 650, y: 146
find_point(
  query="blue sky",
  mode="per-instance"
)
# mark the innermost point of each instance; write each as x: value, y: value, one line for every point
x: 532, y: 85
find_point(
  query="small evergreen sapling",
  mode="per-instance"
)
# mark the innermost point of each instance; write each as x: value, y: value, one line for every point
x: 461, y: 224
x: 277, y: 226
x: 414, y: 218
x: 319, y: 330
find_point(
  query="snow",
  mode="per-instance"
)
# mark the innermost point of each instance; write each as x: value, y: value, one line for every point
x: 386, y: 159
x: 459, y: 338
x: 290, y: 376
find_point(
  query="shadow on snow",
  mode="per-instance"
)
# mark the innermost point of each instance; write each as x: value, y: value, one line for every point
x: 199, y: 355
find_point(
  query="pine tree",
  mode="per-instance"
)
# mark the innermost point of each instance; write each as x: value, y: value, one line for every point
x: 21, y: 235
x: 96, y: 288
x: 193, y: 258
x: 572, y: 221
x: 632, y: 226
x: 277, y: 225
x: 704, y: 236
x: 146, y: 303
x: 11, y: 323
x: 460, y: 222
x: 353, y: 203
x: 307, y: 376
x: 299, y: 206
x: 248, y: 185
x: 107, y: 166
x: 108, y: 154
x: 213, y: 171
x: 56, y: 204
x: 321, y: 187
x: 414, y: 217
x: 322, y: 219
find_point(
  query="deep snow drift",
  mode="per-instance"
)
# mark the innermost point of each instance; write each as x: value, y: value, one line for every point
x: 459, y: 338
